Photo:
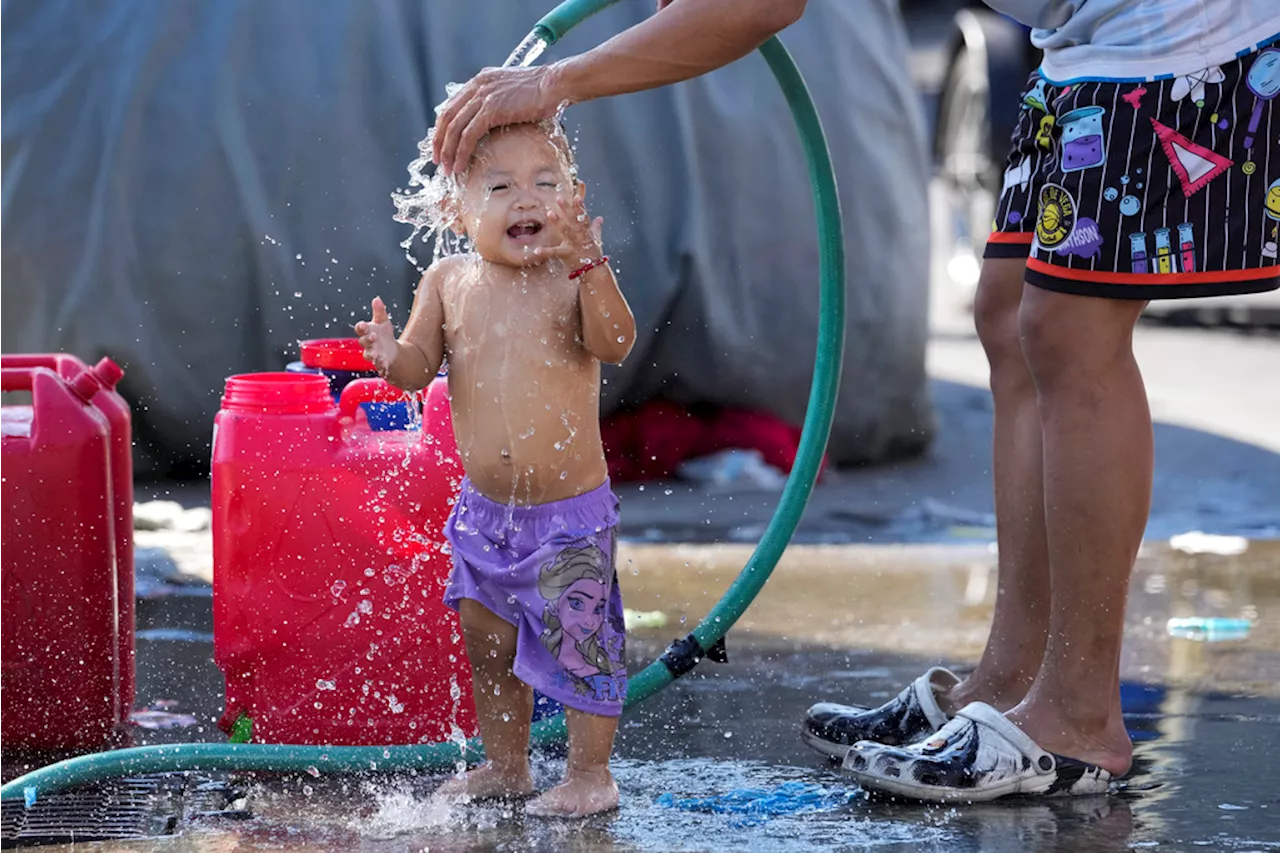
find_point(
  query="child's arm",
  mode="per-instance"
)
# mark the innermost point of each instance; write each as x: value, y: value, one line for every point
x: 608, y: 328
x: 411, y: 362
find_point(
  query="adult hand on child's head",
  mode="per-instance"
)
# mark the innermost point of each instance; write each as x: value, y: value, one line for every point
x: 580, y: 236
x: 378, y: 338
x: 493, y: 98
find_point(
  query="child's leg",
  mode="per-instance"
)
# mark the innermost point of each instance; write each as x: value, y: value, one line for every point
x: 588, y: 787
x: 504, y: 706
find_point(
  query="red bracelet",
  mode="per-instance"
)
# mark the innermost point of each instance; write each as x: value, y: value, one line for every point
x: 590, y: 265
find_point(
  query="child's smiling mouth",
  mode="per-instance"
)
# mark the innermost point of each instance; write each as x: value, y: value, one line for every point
x: 524, y: 231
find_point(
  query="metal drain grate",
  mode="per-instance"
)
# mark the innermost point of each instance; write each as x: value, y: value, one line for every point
x: 129, y: 808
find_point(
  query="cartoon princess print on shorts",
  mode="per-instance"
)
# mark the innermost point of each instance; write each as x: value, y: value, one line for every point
x: 577, y: 624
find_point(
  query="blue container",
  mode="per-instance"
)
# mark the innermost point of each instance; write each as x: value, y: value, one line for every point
x: 383, y: 417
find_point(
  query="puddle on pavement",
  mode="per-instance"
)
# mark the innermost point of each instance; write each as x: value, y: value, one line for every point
x: 850, y: 624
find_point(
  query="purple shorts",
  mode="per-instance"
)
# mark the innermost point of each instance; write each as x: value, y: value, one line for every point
x: 549, y: 570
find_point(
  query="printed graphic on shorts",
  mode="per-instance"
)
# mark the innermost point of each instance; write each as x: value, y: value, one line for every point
x: 1193, y: 84
x: 1128, y: 204
x: 1194, y: 164
x: 1263, y: 81
x: 1056, y: 218
x: 1037, y: 97
x: 1017, y: 176
x: 578, y: 628
x: 1271, y: 210
x: 1044, y: 136
x: 1133, y: 97
x: 1082, y: 144
x: 1085, y: 240
x: 1164, y: 250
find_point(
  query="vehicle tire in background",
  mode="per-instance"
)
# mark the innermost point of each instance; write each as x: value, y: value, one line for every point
x: 990, y: 60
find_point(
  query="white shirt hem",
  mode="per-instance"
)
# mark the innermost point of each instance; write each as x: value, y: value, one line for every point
x: 1067, y: 65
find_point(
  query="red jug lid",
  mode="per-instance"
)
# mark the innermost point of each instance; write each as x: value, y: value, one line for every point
x: 108, y: 373
x: 334, y: 354
x: 85, y: 385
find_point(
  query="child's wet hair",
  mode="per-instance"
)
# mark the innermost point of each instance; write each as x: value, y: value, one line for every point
x: 555, y: 130
x: 432, y: 209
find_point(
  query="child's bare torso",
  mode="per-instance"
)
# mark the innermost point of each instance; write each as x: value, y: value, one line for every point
x: 525, y: 392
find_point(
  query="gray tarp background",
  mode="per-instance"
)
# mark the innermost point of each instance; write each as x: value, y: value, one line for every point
x: 190, y: 186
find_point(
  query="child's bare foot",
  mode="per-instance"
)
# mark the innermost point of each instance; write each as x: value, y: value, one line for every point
x: 582, y: 793
x: 488, y: 782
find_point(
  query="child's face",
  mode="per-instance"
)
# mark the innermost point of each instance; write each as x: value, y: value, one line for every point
x: 515, y: 178
x: 581, y: 609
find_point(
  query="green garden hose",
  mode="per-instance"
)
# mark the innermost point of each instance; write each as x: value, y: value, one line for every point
x: 683, y: 655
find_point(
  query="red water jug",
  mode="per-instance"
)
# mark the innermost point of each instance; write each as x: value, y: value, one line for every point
x: 329, y: 566
x: 108, y: 401
x: 60, y: 656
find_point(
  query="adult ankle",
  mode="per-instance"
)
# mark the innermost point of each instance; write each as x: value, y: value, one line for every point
x: 1001, y: 694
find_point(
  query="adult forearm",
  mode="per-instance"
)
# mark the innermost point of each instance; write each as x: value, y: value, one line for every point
x: 688, y: 38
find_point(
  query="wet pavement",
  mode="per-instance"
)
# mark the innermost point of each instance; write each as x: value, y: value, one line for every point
x: 835, y: 622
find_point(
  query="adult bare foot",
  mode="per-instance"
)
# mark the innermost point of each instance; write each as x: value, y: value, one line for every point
x: 582, y: 793
x: 488, y: 782
x: 1101, y: 741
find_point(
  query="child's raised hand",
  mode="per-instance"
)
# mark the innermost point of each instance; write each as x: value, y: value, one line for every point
x: 378, y: 338
x: 580, y: 235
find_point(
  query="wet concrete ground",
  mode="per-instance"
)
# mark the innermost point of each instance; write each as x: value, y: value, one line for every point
x: 851, y: 623
x: 853, y: 614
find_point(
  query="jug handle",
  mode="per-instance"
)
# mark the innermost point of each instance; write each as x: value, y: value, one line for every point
x: 18, y: 378
x: 371, y: 390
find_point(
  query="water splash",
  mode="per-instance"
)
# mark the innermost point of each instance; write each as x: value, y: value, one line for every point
x: 527, y: 52
x: 426, y: 203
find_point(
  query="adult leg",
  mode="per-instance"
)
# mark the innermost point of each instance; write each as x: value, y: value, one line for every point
x: 1020, y: 623
x: 1015, y: 644
x: 1098, y: 465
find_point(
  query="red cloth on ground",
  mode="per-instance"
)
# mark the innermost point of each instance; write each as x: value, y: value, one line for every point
x: 650, y: 442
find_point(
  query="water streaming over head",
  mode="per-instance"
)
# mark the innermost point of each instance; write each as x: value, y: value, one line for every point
x: 428, y: 202
x: 527, y: 52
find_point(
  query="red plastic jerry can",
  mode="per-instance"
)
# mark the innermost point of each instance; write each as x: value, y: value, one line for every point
x: 329, y: 567
x: 108, y: 401
x: 60, y: 637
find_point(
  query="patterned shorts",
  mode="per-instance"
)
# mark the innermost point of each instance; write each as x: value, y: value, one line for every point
x: 548, y: 569
x: 1154, y: 189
